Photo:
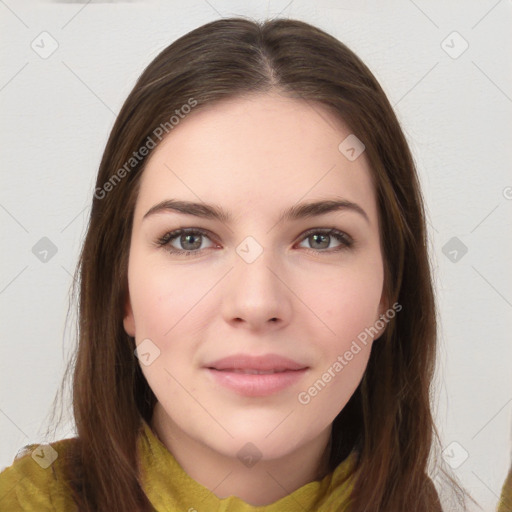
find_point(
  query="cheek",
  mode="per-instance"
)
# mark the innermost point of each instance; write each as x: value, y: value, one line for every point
x: 348, y: 306
x: 169, y: 309
x: 166, y: 312
x: 351, y: 310
x: 346, y: 302
x: 161, y: 297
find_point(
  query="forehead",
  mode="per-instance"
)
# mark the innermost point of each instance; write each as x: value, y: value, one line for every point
x: 262, y: 151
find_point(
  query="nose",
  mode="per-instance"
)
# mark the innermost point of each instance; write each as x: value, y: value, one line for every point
x: 256, y: 294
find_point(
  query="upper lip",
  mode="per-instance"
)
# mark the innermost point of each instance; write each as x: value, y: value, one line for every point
x: 247, y: 362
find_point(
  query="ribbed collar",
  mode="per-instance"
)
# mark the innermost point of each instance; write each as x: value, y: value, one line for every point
x: 170, y: 488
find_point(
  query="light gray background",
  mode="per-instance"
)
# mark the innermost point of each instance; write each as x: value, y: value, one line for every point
x: 456, y: 112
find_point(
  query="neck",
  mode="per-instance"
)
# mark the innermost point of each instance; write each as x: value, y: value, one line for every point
x: 260, y: 484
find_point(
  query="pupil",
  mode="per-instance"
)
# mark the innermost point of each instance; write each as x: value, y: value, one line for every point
x: 315, y: 237
x: 185, y: 237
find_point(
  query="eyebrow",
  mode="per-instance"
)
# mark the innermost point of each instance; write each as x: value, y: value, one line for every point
x: 295, y: 212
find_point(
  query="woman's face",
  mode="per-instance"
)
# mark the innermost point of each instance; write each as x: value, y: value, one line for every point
x: 253, y: 283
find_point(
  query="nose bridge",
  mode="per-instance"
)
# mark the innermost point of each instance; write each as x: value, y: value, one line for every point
x: 253, y: 264
x: 255, y: 292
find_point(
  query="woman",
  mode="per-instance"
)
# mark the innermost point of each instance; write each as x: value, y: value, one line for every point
x: 243, y: 149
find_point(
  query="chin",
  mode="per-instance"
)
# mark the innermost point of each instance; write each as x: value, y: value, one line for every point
x: 266, y: 444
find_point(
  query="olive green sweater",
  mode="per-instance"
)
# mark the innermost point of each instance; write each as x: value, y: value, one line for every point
x: 26, y: 485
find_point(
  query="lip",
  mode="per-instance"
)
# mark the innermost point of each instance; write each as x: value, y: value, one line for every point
x: 263, y: 363
x: 228, y: 372
x: 256, y: 384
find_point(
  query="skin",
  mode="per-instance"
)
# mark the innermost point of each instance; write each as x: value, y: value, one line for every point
x: 254, y: 156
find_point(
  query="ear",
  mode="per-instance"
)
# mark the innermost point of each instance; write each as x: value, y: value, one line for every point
x: 128, y: 320
x: 383, y: 304
x: 382, y: 320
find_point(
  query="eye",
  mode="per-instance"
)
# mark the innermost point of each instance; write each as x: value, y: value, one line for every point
x: 189, y: 239
x: 321, y: 238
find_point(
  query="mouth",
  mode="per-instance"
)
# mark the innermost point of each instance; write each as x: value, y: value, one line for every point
x: 256, y: 376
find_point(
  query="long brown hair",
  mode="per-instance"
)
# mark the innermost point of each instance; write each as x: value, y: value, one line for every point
x: 388, y: 420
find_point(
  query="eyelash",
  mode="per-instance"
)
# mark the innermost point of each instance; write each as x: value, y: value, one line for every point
x: 346, y: 241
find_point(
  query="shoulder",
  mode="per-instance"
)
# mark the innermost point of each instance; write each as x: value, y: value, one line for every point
x: 505, y: 503
x: 35, y: 480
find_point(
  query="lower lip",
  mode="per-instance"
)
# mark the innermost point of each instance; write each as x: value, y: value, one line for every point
x: 257, y: 384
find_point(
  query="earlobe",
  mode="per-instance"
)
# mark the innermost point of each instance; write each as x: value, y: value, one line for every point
x: 384, y: 303
x: 128, y: 320
x: 383, y: 306
x: 382, y: 320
